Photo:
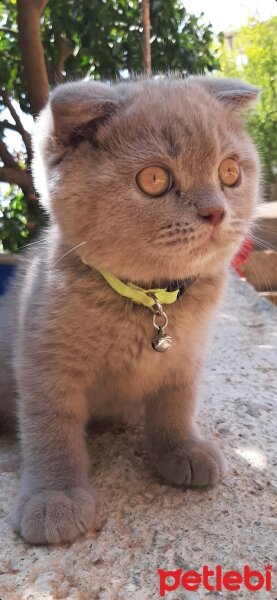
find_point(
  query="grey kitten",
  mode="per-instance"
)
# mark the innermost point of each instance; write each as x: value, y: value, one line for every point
x: 154, y: 181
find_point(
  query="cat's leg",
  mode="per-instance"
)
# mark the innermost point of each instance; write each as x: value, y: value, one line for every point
x: 7, y: 387
x: 175, y: 446
x: 56, y: 502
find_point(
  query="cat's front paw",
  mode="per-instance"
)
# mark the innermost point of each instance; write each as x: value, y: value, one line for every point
x: 52, y: 517
x: 192, y: 465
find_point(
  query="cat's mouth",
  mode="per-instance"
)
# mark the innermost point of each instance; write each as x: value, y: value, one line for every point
x: 175, y: 235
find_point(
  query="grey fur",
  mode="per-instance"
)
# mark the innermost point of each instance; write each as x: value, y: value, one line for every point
x: 81, y: 351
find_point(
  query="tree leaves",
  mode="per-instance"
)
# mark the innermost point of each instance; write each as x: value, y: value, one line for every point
x: 106, y: 39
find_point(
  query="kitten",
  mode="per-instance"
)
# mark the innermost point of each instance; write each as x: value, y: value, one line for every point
x: 153, y: 181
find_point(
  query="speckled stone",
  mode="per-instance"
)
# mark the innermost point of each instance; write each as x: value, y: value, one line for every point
x: 143, y: 523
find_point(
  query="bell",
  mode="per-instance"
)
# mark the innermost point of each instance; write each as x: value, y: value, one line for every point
x: 161, y: 342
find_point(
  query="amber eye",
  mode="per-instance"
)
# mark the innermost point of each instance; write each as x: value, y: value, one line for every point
x: 229, y: 172
x: 154, y: 181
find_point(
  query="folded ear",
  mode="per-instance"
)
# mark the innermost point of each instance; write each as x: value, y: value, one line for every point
x: 79, y: 108
x: 235, y: 93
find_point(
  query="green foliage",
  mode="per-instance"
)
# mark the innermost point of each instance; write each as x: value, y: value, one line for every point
x: 106, y: 38
x: 19, y: 220
x: 254, y: 58
x: 13, y: 227
x: 10, y: 65
x: 180, y: 41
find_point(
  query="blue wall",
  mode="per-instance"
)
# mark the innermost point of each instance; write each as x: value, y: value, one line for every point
x: 6, y: 272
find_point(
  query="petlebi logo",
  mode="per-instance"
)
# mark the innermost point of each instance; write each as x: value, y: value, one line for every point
x: 216, y: 579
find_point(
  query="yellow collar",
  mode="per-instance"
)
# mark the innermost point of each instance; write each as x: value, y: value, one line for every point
x: 153, y: 299
x: 138, y: 294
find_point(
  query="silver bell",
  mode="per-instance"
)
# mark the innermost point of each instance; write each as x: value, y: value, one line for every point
x: 161, y: 342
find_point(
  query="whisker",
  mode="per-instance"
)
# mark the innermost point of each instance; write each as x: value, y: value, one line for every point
x: 264, y: 244
x: 270, y: 229
x: 257, y: 268
x: 32, y: 243
x: 69, y: 251
x: 264, y: 210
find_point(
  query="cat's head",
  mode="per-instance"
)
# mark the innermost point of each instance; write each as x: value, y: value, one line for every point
x: 157, y: 176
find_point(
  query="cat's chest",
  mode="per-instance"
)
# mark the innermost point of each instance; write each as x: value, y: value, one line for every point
x: 109, y: 340
x: 126, y: 369
x: 117, y: 351
x: 124, y: 339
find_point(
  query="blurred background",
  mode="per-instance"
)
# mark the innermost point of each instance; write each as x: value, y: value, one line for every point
x: 44, y: 42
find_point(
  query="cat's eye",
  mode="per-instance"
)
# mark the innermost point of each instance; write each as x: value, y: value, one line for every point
x: 229, y: 172
x: 154, y: 180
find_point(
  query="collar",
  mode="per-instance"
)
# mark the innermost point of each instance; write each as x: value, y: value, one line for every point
x: 148, y: 297
x: 153, y: 299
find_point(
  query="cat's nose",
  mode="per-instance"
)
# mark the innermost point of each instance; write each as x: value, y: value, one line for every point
x: 212, y: 214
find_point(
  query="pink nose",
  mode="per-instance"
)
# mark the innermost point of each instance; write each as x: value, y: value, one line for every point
x: 212, y: 214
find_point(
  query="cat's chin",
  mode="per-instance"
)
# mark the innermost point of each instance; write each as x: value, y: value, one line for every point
x: 206, y: 262
x: 226, y: 245
x: 206, y: 258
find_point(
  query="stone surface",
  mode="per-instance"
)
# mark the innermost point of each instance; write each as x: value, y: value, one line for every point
x: 143, y: 523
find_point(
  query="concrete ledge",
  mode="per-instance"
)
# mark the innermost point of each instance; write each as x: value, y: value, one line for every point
x: 8, y: 259
x: 144, y: 523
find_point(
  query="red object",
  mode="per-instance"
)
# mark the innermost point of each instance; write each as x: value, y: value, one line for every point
x: 242, y: 256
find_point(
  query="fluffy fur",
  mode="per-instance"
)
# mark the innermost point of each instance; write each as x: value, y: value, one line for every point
x: 80, y: 350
